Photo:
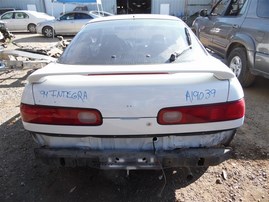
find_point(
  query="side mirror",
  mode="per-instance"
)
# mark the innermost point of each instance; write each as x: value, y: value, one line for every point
x: 203, y: 13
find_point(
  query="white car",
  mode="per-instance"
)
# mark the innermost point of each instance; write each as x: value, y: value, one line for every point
x: 133, y: 92
x: 67, y: 24
x: 24, y: 20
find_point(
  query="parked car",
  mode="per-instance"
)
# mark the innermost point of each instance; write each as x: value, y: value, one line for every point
x: 94, y: 12
x: 67, y: 24
x: 24, y: 20
x: 133, y: 92
x: 238, y: 31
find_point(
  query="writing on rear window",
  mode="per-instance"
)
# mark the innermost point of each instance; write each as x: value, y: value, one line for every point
x: 60, y: 94
x: 192, y: 96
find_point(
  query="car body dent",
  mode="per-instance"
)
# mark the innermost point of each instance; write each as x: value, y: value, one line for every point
x: 137, y: 143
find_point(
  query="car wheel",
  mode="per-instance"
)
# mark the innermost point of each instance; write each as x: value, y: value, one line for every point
x: 32, y: 28
x: 48, y: 32
x: 237, y: 61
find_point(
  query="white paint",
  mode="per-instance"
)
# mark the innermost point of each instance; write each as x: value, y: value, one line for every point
x: 122, y: 96
x: 133, y: 127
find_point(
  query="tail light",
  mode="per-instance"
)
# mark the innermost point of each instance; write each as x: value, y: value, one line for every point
x: 202, y: 113
x: 60, y: 115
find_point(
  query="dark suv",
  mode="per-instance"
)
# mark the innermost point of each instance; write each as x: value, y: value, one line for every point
x: 238, y: 30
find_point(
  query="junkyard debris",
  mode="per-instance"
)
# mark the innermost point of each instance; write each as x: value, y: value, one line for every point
x: 26, y: 57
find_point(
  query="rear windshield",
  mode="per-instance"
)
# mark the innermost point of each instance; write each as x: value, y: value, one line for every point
x: 137, y: 41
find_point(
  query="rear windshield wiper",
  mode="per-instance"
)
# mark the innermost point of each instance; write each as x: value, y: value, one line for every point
x: 175, y: 55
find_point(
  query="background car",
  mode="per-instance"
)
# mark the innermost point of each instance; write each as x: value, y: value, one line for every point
x: 238, y: 31
x: 92, y: 10
x: 67, y: 24
x: 24, y: 20
x: 133, y: 92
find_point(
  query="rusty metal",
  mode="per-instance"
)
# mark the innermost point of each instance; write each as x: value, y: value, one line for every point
x: 133, y: 160
x: 26, y: 57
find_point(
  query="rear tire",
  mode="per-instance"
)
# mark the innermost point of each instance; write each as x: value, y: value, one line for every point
x: 32, y: 28
x: 237, y: 61
x: 48, y: 32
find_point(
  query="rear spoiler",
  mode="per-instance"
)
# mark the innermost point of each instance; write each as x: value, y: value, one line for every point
x: 221, y: 71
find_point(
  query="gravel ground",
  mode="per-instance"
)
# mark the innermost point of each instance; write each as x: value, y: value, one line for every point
x: 23, y: 178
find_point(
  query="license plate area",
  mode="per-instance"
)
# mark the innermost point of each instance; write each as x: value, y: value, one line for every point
x: 133, y: 162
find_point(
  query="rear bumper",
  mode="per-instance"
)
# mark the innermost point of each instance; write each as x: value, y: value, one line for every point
x: 133, y: 160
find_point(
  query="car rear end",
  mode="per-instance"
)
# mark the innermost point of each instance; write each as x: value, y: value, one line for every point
x: 133, y: 110
x: 38, y: 17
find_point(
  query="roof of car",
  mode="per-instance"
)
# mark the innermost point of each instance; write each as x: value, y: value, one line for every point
x: 34, y: 13
x: 27, y: 11
x: 136, y: 16
x: 87, y: 12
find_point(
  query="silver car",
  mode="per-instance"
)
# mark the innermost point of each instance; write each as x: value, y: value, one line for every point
x: 24, y: 20
x: 67, y: 24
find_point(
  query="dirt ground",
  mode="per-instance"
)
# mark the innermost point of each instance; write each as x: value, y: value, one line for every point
x: 245, y: 177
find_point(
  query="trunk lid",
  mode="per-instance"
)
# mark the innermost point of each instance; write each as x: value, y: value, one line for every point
x: 131, y: 92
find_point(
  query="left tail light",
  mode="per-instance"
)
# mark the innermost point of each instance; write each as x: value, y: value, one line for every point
x: 60, y: 115
x: 202, y: 113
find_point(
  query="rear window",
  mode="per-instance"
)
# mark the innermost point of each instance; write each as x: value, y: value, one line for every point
x: 82, y: 16
x: 263, y: 8
x: 137, y: 41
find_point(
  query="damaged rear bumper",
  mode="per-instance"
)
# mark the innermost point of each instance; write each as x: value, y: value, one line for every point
x: 133, y: 160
